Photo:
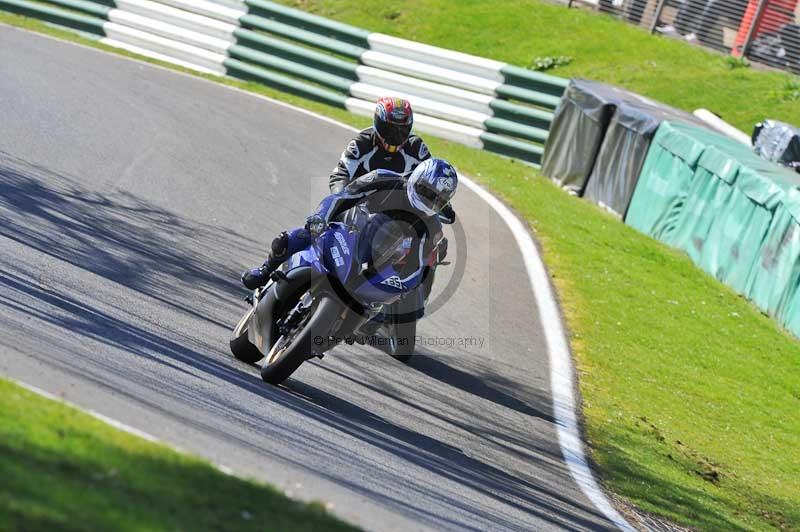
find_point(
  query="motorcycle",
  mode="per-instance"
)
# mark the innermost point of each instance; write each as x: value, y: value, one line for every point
x: 331, y: 292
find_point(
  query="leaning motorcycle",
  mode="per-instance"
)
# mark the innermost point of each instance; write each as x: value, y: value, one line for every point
x: 330, y: 292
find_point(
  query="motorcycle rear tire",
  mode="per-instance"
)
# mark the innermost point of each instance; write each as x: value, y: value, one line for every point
x: 405, y: 335
x: 310, y: 339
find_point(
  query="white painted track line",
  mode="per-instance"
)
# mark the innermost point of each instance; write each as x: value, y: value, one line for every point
x: 119, y: 425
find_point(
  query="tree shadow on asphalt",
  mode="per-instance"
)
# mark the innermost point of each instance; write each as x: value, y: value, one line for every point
x: 478, y: 381
x: 424, y: 401
x: 150, y: 252
x: 490, y: 387
x: 81, y: 269
x: 115, y: 235
x: 448, y: 463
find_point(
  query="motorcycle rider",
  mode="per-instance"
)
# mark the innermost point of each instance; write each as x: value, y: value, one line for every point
x: 388, y: 145
x: 418, y: 201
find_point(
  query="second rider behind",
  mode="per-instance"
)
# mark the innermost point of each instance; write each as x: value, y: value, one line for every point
x: 387, y: 145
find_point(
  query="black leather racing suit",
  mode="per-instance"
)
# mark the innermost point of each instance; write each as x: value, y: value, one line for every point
x: 363, y: 155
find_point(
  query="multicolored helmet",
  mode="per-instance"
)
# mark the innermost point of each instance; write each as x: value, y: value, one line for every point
x: 392, y: 122
x: 432, y: 185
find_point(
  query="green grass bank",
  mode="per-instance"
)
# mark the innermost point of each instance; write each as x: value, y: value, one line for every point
x: 690, y: 395
x: 65, y: 470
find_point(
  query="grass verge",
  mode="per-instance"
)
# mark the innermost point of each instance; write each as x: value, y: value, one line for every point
x: 65, y: 470
x: 690, y: 396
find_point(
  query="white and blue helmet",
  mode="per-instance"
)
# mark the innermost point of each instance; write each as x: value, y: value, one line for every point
x: 432, y: 185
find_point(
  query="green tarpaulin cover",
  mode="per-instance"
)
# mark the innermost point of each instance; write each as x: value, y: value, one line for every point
x: 735, y: 214
x: 776, y: 272
x: 663, y: 185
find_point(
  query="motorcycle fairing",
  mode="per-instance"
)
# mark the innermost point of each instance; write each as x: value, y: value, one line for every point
x: 333, y: 253
x: 261, y: 329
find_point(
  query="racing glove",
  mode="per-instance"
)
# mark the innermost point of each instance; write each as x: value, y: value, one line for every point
x: 447, y: 215
x: 315, y: 225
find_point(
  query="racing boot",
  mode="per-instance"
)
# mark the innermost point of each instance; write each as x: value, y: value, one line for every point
x: 257, y: 277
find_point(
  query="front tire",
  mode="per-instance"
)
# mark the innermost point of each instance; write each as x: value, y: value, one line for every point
x: 241, y: 347
x: 286, y: 356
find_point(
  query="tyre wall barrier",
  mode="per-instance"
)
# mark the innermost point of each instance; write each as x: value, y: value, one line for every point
x: 476, y: 101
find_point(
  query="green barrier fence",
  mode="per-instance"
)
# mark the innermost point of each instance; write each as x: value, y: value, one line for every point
x: 297, y: 54
x: 791, y: 317
x: 247, y: 71
x: 94, y: 8
x: 526, y: 115
x: 537, y: 81
x: 312, y: 23
x: 77, y: 21
x: 734, y: 237
x: 306, y: 37
x: 290, y: 67
x: 321, y: 59
x: 739, y: 231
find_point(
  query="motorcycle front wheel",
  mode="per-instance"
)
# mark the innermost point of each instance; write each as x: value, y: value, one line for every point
x: 304, y: 341
x: 240, y: 345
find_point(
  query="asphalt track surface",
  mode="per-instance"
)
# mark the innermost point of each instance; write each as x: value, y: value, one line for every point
x: 131, y: 198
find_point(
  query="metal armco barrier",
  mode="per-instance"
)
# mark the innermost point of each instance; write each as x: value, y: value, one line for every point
x: 767, y: 31
x: 476, y: 101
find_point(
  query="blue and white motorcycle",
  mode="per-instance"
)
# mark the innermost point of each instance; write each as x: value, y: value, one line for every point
x: 332, y: 291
